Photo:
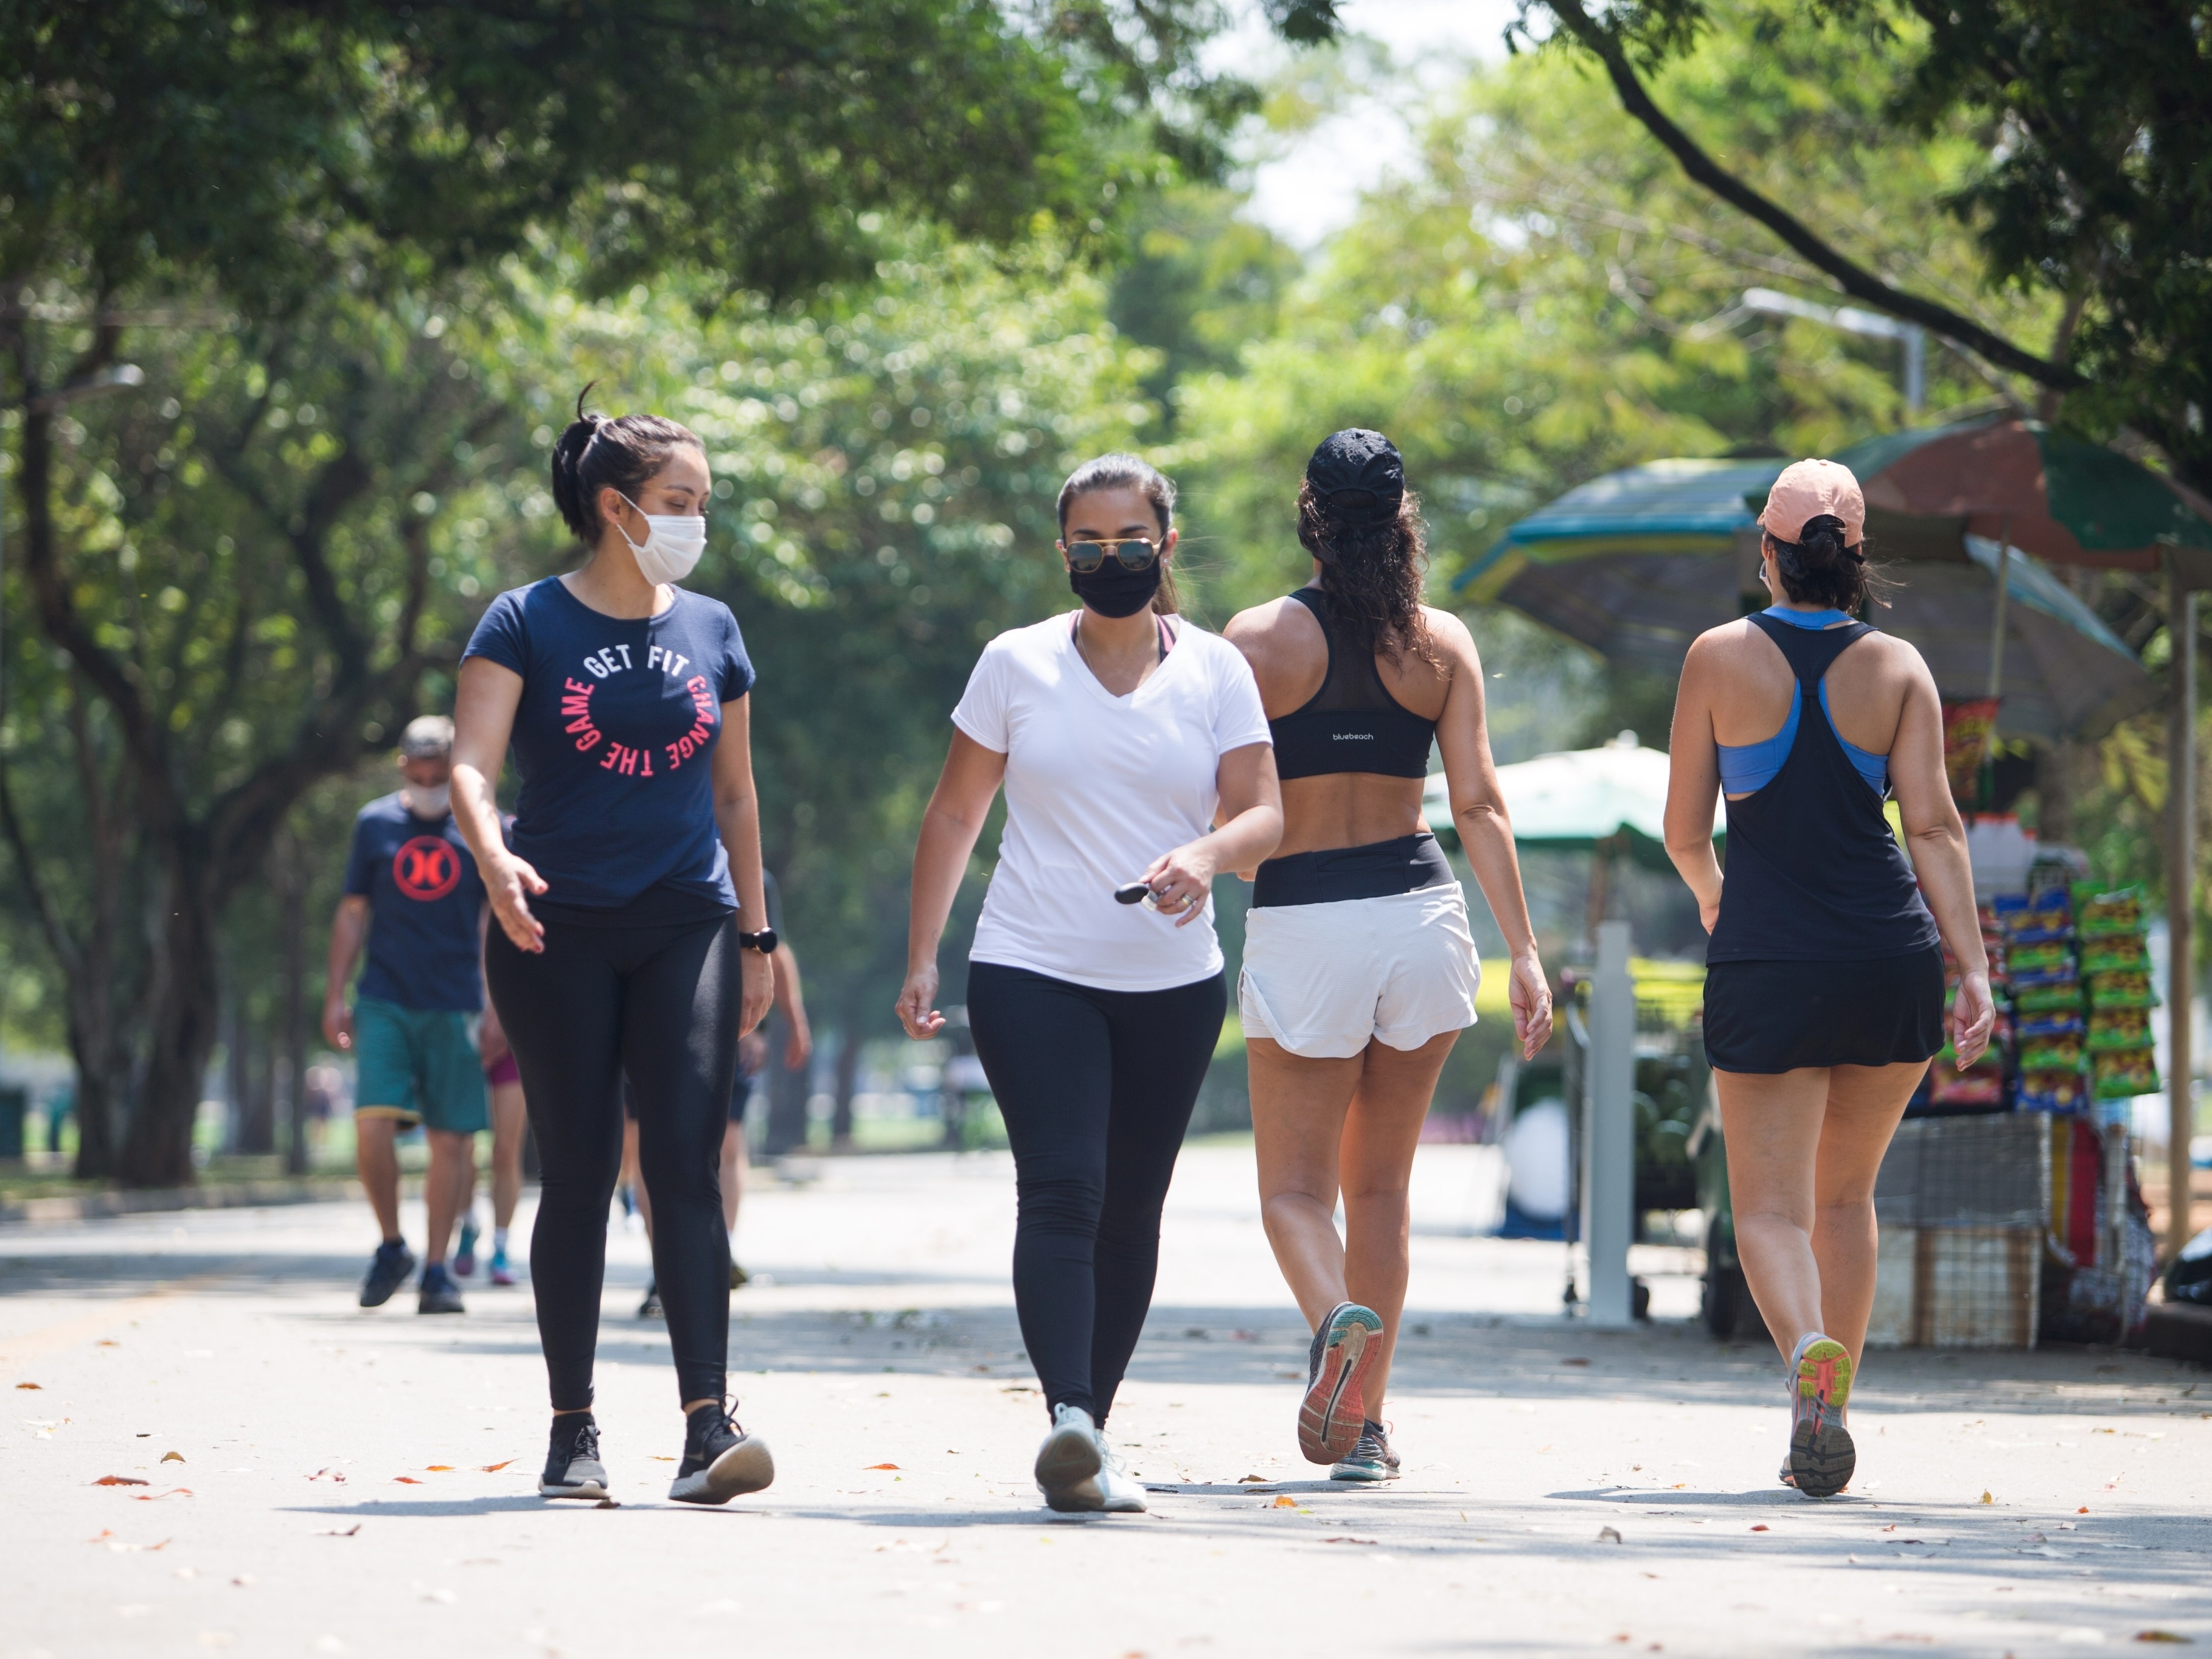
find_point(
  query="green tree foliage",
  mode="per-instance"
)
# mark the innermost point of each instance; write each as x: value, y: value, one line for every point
x: 2088, y: 189
x: 297, y: 181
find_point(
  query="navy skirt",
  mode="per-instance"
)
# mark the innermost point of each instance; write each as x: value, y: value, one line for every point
x: 1769, y: 1017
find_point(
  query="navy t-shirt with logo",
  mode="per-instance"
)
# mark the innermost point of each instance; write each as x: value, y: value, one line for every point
x: 614, y: 737
x: 425, y: 902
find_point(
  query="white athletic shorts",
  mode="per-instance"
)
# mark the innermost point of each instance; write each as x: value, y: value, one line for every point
x: 1322, y: 979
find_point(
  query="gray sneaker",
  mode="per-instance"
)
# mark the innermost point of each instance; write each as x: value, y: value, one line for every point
x: 1069, y: 1462
x: 572, y: 1469
x: 1370, y: 1459
x: 720, y: 1459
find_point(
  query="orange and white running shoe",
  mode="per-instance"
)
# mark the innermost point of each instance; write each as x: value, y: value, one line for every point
x: 1335, y: 1410
x: 1821, y: 1455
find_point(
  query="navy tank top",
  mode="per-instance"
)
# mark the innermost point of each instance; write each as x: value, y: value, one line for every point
x: 1352, y: 724
x: 1813, y: 873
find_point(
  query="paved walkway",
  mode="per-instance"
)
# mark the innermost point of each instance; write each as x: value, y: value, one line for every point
x: 364, y: 1483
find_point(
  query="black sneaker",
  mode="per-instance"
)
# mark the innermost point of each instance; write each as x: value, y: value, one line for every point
x: 572, y: 1469
x: 650, y: 1307
x: 388, y: 1269
x: 440, y: 1294
x: 720, y: 1459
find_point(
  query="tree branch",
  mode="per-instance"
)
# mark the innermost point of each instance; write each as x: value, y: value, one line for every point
x: 42, y: 899
x: 1853, y: 278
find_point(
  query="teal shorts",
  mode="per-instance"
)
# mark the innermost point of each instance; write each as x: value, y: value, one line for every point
x: 418, y: 1065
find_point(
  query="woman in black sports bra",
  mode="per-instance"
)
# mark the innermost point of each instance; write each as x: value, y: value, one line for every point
x: 1359, y: 970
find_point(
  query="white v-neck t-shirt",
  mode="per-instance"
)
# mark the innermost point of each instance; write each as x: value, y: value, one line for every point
x: 1097, y: 787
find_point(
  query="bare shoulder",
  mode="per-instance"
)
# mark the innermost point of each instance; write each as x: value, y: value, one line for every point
x: 1724, y: 647
x: 1278, y: 625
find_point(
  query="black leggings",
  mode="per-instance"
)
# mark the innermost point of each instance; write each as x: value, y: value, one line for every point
x: 1096, y: 1088
x: 658, y: 1005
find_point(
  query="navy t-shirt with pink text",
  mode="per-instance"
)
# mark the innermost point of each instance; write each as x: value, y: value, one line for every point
x: 614, y: 737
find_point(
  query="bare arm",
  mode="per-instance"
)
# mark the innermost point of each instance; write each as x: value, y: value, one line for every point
x: 791, y: 1003
x: 1937, y: 841
x: 737, y: 817
x: 483, y: 718
x: 1693, y: 782
x: 950, y: 825
x: 1485, y: 832
x: 1251, y: 819
x: 349, y: 929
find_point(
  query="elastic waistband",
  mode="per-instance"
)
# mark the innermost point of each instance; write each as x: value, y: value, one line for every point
x: 1332, y: 874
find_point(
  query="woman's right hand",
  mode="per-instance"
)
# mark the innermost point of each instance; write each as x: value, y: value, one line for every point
x: 1709, y: 910
x: 1972, y: 1016
x: 921, y: 1021
x: 511, y: 882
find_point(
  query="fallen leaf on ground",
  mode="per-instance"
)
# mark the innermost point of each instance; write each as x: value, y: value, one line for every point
x: 120, y: 1480
x: 1585, y: 1362
x: 494, y: 1469
x: 883, y: 1465
x: 1253, y: 1480
x: 156, y: 1497
x: 406, y: 1480
x: 31, y: 1385
x: 1348, y: 1539
x: 439, y: 1468
x: 1608, y: 1535
x: 108, y: 1342
x: 1986, y: 1498
x: 1892, y: 1527
x: 1286, y: 1502
x: 1761, y: 1527
x: 337, y: 1532
x: 2084, y: 1509
x: 172, y: 1457
x: 2159, y: 1636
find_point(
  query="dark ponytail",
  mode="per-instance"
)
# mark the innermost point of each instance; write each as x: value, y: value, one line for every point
x: 1817, y: 568
x: 595, y: 452
x: 1373, y: 570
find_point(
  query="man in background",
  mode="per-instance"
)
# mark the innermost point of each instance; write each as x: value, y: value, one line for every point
x: 412, y: 892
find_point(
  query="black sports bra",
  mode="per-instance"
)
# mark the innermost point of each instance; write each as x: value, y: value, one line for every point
x: 1352, y: 724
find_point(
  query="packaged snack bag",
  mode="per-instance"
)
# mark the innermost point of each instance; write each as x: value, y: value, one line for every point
x: 2105, y: 955
x: 2127, y: 1072
x: 2048, y: 998
x: 2101, y: 912
x: 2126, y: 987
x: 2036, y: 919
x: 2057, y: 1022
x: 2052, y: 1091
x: 2060, y: 1054
x: 2119, y: 1027
x: 1975, y: 1088
x: 2029, y: 958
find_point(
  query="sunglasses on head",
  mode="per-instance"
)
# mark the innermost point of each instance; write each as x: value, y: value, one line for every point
x: 1135, y: 553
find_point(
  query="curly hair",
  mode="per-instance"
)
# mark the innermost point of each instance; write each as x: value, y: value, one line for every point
x: 1373, y: 574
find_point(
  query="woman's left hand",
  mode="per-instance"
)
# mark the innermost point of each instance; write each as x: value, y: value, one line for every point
x: 1181, y: 881
x: 1530, y: 993
x: 758, y: 969
x: 1972, y: 1016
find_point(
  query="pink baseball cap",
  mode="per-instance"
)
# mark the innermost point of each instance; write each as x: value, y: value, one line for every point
x: 1807, y: 489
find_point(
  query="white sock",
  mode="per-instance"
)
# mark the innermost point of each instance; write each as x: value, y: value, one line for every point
x: 499, y: 1238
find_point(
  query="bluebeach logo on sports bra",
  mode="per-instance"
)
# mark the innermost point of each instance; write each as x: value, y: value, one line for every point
x: 1352, y: 737
x: 620, y: 758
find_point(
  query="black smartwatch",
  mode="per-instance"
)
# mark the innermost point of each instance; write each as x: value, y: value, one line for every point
x: 763, y: 941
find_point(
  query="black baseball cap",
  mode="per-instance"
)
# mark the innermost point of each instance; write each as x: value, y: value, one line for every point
x: 1359, y: 475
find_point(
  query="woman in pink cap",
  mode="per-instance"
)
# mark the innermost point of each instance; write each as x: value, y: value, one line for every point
x: 1823, y: 984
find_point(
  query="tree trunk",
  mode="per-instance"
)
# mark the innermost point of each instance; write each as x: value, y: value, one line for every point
x: 157, y: 1149
x: 848, y: 1075
x: 787, y: 1099
x: 291, y: 887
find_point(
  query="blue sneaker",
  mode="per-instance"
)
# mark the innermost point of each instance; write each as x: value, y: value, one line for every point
x: 1335, y: 1410
x: 464, y: 1259
x: 388, y: 1269
x: 500, y: 1273
x: 1372, y: 1459
x: 440, y: 1294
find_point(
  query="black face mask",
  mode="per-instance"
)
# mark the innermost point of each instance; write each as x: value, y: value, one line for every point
x: 1114, y: 589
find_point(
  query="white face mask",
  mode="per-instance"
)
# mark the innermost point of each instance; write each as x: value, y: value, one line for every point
x: 673, y: 543
x: 432, y: 803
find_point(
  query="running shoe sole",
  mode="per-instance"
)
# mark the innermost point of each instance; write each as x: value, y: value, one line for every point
x: 1067, y: 1466
x: 1335, y: 1410
x: 746, y: 1467
x: 1348, y: 1470
x: 593, y: 1489
x: 1821, y: 1455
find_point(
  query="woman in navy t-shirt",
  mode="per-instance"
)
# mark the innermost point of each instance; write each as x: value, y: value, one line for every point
x: 622, y: 899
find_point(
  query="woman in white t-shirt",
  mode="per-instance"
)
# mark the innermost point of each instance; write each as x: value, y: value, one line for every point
x: 1122, y: 735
